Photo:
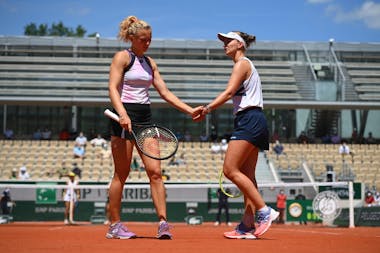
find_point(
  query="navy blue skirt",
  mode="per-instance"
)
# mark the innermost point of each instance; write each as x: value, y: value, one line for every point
x: 251, y: 125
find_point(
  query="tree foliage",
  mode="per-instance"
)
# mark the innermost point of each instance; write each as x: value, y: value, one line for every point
x: 56, y: 29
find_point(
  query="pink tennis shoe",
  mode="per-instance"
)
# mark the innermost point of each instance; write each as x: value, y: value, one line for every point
x: 264, y: 221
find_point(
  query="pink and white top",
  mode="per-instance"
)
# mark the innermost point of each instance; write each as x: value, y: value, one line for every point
x: 136, y: 83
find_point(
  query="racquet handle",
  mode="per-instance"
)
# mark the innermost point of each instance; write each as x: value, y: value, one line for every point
x: 111, y: 115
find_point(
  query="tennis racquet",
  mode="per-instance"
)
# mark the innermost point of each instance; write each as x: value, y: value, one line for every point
x: 231, y: 192
x: 154, y: 141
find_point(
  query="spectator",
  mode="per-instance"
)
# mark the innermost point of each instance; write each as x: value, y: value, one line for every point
x: 81, y: 139
x: 278, y: 148
x: 37, y: 135
x: 344, y: 150
x: 8, y: 134
x: 14, y: 174
x: 165, y: 176
x: 335, y: 139
x: 223, y: 204
x: 63, y: 171
x: 135, y: 166
x: 370, y: 139
x: 173, y: 161
x: 181, y: 160
x: 64, y: 135
x: 76, y: 170
x: 70, y: 194
x: 46, y: 134
x: 78, y: 151
x: 223, y: 145
x: 23, y: 173
x: 369, y: 199
x: 213, y: 135
x: 302, y: 138
x: 326, y: 139
x: 281, y: 206
x: 301, y: 197
x: 215, y: 148
x: 354, y: 136
x: 377, y: 199
x: 275, y: 137
x: 203, y: 137
x: 6, y: 202
x: 188, y: 136
x: 179, y: 136
x: 98, y: 141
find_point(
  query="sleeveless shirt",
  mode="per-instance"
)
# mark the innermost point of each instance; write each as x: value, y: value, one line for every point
x: 249, y: 93
x: 136, y: 82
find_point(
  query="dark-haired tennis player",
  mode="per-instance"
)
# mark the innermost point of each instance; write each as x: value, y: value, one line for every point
x: 131, y: 75
x: 250, y: 135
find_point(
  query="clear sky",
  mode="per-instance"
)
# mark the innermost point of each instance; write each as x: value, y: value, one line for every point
x: 269, y: 20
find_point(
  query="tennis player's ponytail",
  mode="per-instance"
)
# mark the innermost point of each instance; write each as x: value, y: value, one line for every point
x: 130, y: 26
x: 249, y: 39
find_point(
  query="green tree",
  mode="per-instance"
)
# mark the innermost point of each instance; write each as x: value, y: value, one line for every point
x: 31, y: 29
x: 58, y: 29
x: 80, y: 31
x: 42, y: 30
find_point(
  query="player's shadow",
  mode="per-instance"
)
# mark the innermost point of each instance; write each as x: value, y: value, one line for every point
x: 150, y: 238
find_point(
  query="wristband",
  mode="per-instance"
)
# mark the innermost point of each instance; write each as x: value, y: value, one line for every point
x: 208, y: 108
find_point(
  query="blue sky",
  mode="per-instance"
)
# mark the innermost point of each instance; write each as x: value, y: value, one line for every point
x: 269, y: 20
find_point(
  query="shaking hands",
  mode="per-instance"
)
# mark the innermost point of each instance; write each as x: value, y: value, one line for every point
x: 199, y: 113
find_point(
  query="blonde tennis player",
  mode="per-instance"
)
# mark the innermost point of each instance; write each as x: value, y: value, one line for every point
x: 250, y: 135
x: 131, y: 76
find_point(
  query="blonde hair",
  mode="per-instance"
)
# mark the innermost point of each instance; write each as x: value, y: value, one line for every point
x: 249, y: 39
x: 130, y: 27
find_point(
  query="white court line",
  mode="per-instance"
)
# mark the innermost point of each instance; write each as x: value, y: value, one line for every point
x: 307, y: 231
x: 55, y: 228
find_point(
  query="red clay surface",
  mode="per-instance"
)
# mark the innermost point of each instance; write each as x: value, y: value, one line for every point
x: 55, y: 237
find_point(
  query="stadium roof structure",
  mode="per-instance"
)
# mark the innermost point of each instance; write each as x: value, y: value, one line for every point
x: 74, y: 71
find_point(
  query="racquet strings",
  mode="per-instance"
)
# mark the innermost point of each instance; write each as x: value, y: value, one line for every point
x: 156, y: 142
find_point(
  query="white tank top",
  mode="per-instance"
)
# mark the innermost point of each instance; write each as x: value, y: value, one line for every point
x: 69, y: 191
x: 249, y: 93
x: 136, y: 83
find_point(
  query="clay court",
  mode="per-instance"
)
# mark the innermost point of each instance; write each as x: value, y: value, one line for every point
x: 84, y: 237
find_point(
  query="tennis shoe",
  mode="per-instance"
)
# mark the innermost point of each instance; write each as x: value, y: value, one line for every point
x: 119, y: 231
x: 264, y: 221
x: 241, y: 232
x: 164, y: 231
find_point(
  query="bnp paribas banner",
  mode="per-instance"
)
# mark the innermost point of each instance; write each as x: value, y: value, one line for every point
x: 44, y: 203
x: 43, y: 194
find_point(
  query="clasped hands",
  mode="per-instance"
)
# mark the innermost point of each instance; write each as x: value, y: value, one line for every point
x: 199, y: 113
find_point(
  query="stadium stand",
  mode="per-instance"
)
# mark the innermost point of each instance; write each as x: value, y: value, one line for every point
x: 366, y: 79
x: 363, y: 167
x: 44, y: 158
x: 87, y: 78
